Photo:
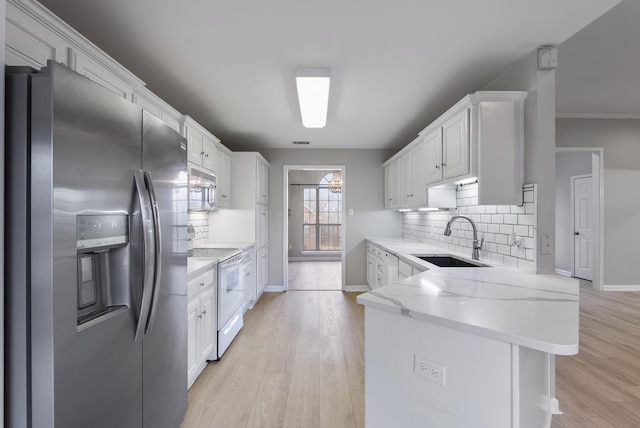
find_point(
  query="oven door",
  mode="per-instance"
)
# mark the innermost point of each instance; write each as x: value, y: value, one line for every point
x: 230, y: 290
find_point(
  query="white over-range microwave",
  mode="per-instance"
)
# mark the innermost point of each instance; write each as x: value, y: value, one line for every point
x: 202, y: 190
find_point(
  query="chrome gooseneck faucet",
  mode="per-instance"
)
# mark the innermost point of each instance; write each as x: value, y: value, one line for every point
x: 475, y: 255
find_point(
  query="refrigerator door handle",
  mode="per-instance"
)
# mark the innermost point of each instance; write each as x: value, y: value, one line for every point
x: 158, y: 251
x: 148, y: 233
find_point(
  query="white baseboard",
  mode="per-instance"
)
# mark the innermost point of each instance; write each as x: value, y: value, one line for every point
x: 630, y: 287
x: 554, y: 406
x: 563, y: 272
x: 274, y: 289
x: 316, y: 259
x: 358, y: 288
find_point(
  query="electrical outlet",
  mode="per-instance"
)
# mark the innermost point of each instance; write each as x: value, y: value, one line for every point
x: 429, y: 369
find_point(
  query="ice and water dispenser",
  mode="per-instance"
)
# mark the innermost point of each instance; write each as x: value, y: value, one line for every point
x: 102, y: 278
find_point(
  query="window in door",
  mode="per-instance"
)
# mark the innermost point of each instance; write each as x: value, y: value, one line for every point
x: 322, y: 207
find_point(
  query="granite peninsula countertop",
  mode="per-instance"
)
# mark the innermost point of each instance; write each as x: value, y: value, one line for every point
x: 503, y: 303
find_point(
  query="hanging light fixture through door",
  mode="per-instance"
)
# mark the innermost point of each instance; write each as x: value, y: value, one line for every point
x: 335, y: 184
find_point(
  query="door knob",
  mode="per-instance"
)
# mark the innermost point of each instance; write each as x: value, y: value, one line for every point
x: 577, y: 233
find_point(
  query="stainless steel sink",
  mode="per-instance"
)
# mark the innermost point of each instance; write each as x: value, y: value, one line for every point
x: 447, y: 260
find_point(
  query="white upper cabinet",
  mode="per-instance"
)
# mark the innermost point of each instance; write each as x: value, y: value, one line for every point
x: 455, y: 146
x: 391, y: 180
x: 405, y: 184
x: 201, y: 144
x: 90, y: 68
x: 418, y: 183
x: 149, y: 101
x: 223, y: 175
x: 405, y: 179
x: 29, y: 43
x: 34, y: 35
x: 433, y: 157
x: 481, y: 136
x: 262, y: 196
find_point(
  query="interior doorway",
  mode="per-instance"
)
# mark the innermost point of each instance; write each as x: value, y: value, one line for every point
x: 313, y: 228
x: 576, y: 257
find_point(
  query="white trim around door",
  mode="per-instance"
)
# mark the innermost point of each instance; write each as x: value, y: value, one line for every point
x: 285, y: 218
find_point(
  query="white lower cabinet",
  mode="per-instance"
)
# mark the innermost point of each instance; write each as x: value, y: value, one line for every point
x: 382, y: 267
x: 262, y: 271
x: 201, y: 323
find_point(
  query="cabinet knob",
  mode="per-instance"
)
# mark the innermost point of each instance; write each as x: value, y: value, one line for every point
x: 444, y: 164
x: 437, y: 166
x: 576, y: 233
x: 202, y: 284
x: 200, y: 316
x: 204, y: 312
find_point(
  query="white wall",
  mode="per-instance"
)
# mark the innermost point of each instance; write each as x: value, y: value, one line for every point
x: 620, y: 140
x: 364, y: 193
x: 567, y: 165
x: 539, y: 140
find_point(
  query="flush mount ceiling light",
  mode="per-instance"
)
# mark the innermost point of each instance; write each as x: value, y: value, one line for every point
x: 313, y: 95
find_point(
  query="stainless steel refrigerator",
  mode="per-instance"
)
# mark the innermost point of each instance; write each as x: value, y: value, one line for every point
x: 96, y: 256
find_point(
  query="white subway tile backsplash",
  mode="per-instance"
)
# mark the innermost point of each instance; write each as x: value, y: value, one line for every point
x: 506, y: 229
x: 511, y: 218
x: 494, y: 224
x: 200, y: 222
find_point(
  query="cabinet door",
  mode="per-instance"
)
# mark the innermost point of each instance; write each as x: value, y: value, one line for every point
x: 208, y: 327
x: 194, y: 146
x: 91, y: 69
x: 263, y: 183
x: 146, y: 99
x: 433, y: 157
x: 389, y: 185
x: 262, y: 274
x: 29, y: 43
x: 371, y: 270
x: 193, y: 357
x: 418, y: 184
x: 262, y: 225
x: 223, y: 176
x: 405, y: 180
x: 209, y: 154
x: 248, y: 280
x: 455, y: 145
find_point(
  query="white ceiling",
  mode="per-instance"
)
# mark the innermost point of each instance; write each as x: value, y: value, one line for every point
x: 396, y: 64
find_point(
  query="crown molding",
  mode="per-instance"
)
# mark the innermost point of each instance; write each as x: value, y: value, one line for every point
x: 597, y: 115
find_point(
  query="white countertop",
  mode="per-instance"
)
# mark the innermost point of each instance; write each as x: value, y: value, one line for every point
x: 199, y: 265
x: 503, y: 303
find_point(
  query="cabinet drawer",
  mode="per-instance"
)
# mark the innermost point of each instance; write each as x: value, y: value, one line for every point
x: 201, y: 283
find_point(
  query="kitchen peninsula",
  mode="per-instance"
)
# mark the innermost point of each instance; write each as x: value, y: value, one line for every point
x: 465, y: 346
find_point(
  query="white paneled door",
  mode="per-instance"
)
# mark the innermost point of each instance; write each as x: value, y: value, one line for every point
x: 582, y: 227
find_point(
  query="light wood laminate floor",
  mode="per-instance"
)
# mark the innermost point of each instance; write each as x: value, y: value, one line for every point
x: 600, y: 386
x: 315, y: 275
x: 298, y: 362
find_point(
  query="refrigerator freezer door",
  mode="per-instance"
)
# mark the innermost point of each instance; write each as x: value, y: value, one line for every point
x: 165, y: 347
